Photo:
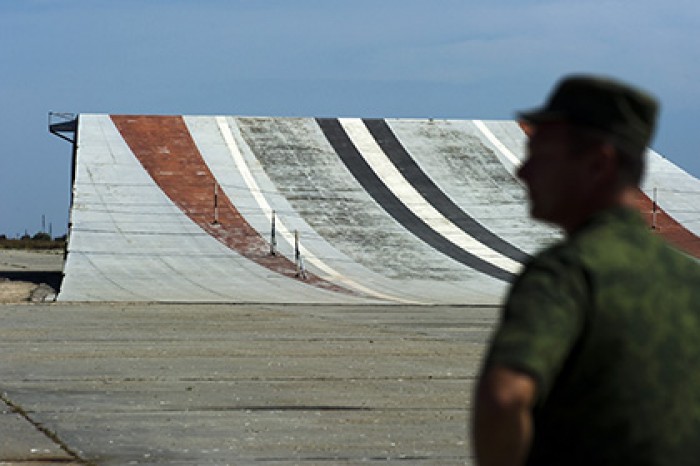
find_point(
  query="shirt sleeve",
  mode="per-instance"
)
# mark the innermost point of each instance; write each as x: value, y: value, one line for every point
x: 542, y: 319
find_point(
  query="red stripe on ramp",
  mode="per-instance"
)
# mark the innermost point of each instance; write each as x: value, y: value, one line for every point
x: 165, y: 148
x: 665, y: 226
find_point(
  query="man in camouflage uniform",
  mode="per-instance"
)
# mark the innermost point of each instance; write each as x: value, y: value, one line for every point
x: 596, y: 360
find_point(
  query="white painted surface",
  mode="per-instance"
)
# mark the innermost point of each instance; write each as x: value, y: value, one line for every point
x: 677, y: 192
x: 129, y: 242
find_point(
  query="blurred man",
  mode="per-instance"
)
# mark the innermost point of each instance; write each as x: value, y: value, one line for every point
x: 596, y: 360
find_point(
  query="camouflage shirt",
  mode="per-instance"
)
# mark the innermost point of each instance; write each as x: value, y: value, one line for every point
x: 608, y: 324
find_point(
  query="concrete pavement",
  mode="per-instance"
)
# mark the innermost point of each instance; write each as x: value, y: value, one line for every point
x: 127, y: 383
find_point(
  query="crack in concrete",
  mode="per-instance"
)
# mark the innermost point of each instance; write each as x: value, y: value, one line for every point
x: 76, y: 458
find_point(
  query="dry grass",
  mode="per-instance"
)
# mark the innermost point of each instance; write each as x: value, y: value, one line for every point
x: 15, y: 292
x: 32, y: 244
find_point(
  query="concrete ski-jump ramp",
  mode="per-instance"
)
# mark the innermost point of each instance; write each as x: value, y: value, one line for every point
x: 301, y: 210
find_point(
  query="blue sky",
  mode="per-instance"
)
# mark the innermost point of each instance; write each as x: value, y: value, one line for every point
x: 367, y: 58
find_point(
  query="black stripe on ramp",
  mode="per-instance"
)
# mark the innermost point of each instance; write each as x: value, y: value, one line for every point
x: 364, y: 174
x: 403, y: 161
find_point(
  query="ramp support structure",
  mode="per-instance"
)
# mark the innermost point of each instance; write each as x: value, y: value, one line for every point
x: 62, y: 123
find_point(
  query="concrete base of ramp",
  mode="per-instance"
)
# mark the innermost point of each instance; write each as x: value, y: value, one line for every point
x: 216, y: 384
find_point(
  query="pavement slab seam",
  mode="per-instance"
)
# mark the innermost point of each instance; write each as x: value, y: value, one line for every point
x: 74, y: 456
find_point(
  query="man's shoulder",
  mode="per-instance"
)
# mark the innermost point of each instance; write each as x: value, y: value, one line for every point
x: 557, y: 273
x: 616, y: 238
x: 603, y: 229
x: 562, y: 255
x: 617, y: 224
x: 619, y: 239
x: 612, y: 244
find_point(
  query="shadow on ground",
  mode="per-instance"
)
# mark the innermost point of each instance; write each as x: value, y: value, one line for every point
x: 53, y: 279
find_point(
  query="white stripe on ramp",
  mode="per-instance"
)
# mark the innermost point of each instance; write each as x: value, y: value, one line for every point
x: 498, y: 144
x: 288, y: 236
x: 413, y: 200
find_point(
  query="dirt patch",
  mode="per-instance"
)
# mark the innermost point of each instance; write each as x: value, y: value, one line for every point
x: 16, y: 292
x: 29, y: 276
x: 12, y: 292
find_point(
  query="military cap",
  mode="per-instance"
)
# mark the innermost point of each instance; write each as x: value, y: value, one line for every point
x: 601, y: 103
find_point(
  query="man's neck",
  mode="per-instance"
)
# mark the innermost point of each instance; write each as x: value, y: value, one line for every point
x: 623, y: 197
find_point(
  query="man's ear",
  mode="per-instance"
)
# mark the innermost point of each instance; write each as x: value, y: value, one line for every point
x: 604, y: 165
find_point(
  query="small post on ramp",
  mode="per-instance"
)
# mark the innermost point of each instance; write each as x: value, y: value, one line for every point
x: 216, y: 204
x: 654, y: 208
x: 273, y: 236
x: 299, y: 261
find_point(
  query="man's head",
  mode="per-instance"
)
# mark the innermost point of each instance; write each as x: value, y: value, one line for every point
x: 586, y: 147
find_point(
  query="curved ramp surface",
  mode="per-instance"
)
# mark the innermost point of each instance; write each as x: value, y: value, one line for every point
x: 303, y: 210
